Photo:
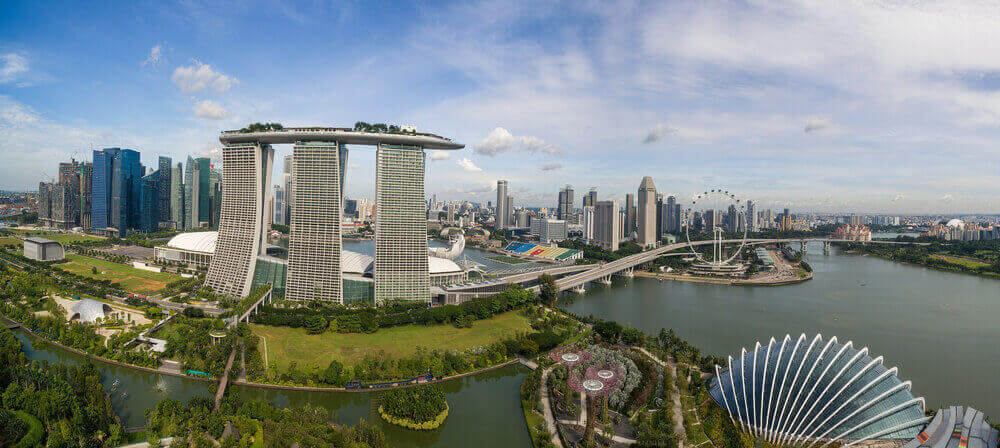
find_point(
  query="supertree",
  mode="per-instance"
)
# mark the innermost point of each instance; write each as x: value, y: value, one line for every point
x: 595, y: 382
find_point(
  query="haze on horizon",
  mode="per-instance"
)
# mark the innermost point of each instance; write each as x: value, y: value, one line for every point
x: 877, y: 107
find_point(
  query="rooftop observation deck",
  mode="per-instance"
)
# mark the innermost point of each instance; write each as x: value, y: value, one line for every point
x: 346, y: 136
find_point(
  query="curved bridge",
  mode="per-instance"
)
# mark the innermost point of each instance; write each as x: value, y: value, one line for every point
x: 626, y: 264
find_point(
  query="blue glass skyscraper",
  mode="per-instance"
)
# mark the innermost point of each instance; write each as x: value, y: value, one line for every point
x: 117, y: 181
x: 101, y: 188
x: 150, y: 203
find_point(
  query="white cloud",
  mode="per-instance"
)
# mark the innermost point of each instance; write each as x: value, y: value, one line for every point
x: 210, y: 109
x: 947, y: 197
x: 467, y: 165
x: 12, y: 67
x: 551, y: 166
x: 897, y: 197
x: 816, y: 124
x: 660, y: 131
x: 500, y: 140
x: 155, y: 54
x: 197, y: 77
x: 439, y: 155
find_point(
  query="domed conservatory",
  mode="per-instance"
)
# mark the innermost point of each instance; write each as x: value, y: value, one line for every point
x: 802, y: 391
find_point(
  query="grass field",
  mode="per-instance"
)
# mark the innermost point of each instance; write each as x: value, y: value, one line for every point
x: 132, y: 279
x: 961, y: 261
x: 66, y: 238
x: 286, y: 344
x: 5, y: 240
x: 506, y: 259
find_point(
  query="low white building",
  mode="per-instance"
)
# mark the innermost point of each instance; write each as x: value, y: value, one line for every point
x: 42, y: 249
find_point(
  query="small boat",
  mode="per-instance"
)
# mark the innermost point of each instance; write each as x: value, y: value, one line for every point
x: 862, y: 284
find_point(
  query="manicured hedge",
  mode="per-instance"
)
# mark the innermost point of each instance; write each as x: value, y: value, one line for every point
x: 35, y: 431
x: 410, y: 424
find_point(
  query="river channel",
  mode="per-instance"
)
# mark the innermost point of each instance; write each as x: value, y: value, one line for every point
x: 485, y: 408
x: 939, y: 328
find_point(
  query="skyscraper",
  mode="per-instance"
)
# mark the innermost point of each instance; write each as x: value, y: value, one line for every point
x: 314, y: 270
x: 607, y: 224
x: 246, y: 173
x: 164, y: 172
x: 126, y: 186
x: 589, y: 221
x: 646, y: 214
x: 288, y: 178
x: 591, y: 198
x: 149, y: 201
x: 101, y: 188
x: 732, y: 219
x: 509, y: 211
x: 86, y: 172
x: 401, y: 265
x: 197, y: 191
x: 672, y: 215
x: 752, y: 223
x: 565, y: 206
x: 502, y: 208
x: 278, y: 215
x: 630, y: 212
x: 177, y: 196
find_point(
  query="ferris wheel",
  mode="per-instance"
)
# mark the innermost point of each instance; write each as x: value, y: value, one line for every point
x: 719, y: 213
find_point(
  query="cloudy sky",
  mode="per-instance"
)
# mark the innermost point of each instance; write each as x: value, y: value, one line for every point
x: 816, y: 105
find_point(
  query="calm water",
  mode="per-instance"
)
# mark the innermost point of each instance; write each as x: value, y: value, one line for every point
x: 939, y: 328
x: 485, y: 408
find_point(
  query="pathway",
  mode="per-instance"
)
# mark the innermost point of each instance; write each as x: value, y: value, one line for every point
x: 550, y: 421
x: 166, y: 441
x: 616, y: 438
x: 677, y: 411
x: 224, y: 381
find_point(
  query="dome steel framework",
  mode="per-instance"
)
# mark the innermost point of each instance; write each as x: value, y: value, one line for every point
x: 802, y: 392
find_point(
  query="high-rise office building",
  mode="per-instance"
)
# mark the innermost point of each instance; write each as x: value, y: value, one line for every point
x: 314, y: 270
x: 86, y: 172
x: 606, y: 228
x: 671, y: 210
x: 116, y: 188
x: 732, y: 219
x: 630, y: 214
x: 149, y: 202
x: 288, y: 178
x: 246, y: 173
x: 401, y: 264
x: 565, y: 206
x: 646, y: 215
x: 177, y: 196
x: 164, y: 172
x: 509, y: 211
x: 591, y: 198
x: 197, y: 192
x: 588, y: 219
x: 661, y: 218
x: 45, y: 202
x: 278, y: 214
x: 752, y: 222
x: 215, y: 198
x: 502, y: 207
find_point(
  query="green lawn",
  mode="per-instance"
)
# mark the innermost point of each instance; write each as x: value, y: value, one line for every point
x: 506, y: 259
x: 67, y: 238
x: 132, y: 279
x: 961, y: 261
x: 9, y: 240
x: 285, y: 344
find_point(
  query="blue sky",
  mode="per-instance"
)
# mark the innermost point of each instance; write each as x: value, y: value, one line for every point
x: 824, y: 106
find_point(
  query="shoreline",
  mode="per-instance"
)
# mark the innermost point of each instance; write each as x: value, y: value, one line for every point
x: 31, y: 333
x: 936, y: 268
x: 720, y: 281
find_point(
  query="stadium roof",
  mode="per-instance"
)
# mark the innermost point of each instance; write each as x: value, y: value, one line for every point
x: 195, y: 241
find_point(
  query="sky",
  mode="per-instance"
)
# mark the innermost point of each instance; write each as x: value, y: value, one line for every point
x: 843, y: 106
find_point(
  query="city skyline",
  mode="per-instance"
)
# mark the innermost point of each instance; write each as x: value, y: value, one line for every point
x: 906, y: 134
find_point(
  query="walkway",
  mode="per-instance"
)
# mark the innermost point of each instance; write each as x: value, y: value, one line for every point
x: 550, y: 421
x: 166, y: 441
x: 677, y: 413
x: 224, y: 381
x: 615, y: 438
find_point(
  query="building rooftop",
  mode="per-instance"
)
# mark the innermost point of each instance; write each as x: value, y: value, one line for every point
x: 342, y: 135
x: 40, y: 240
x: 195, y: 241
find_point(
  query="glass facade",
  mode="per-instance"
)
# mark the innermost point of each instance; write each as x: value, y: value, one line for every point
x: 794, y: 390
